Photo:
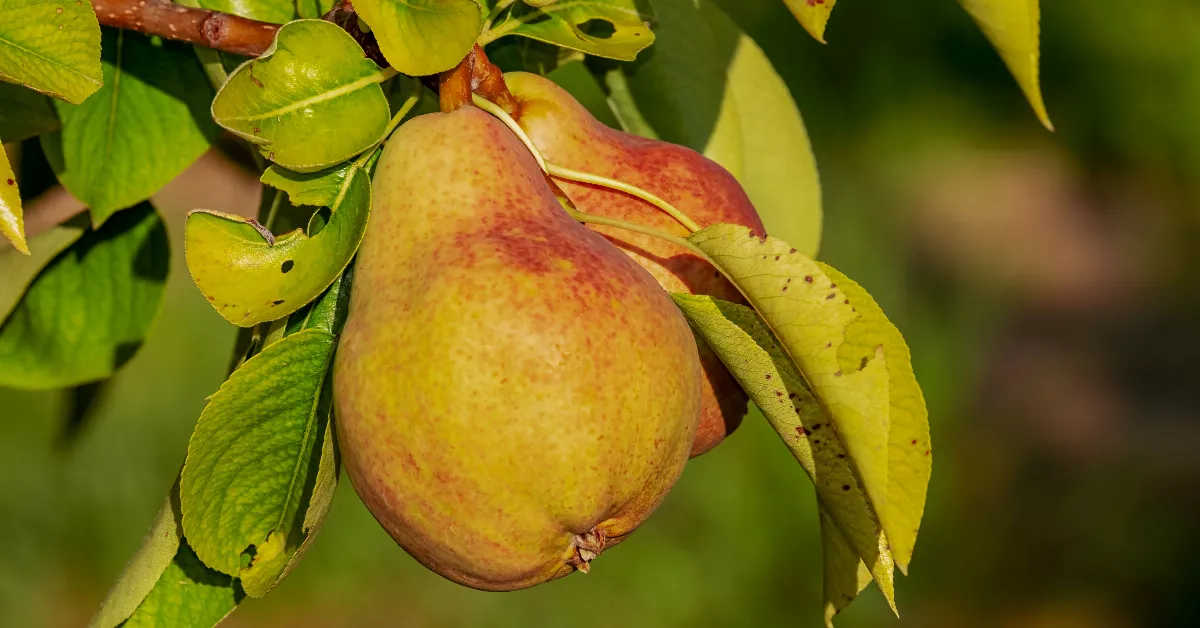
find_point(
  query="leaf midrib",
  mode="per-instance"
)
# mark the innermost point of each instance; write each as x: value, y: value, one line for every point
x: 12, y: 44
x: 348, y: 88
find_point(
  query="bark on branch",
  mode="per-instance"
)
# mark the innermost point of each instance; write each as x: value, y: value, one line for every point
x: 211, y: 29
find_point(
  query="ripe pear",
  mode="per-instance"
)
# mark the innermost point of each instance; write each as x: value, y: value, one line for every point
x: 513, y: 394
x: 568, y: 135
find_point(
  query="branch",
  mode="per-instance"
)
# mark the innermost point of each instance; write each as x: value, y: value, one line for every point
x: 211, y: 29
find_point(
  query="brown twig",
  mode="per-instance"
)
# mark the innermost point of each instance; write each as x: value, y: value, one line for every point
x: 211, y: 29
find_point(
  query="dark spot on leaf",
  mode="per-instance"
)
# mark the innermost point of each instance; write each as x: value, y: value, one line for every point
x: 279, y: 302
x: 832, y: 285
x: 801, y: 431
x: 847, y: 301
x: 845, y: 487
x: 831, y: 295
x: 11, y: 182
x: 841, y: 456
x: 780, y: 394
x: 914, y: 441
x: 286, y: 266
x: 808, y: 279
x: 927, y: 452
x: 817, y: 441
x: 837, y: 373
x: 817, y: 427
x: 785, y: 289
x: 777, y: 258
x: 768, y: 376
x: 792, y: 251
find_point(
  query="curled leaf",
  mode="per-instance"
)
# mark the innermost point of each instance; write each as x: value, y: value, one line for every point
x: 567, y: 24
x: 251, y: 276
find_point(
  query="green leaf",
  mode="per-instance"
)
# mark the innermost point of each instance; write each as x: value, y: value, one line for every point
x: 845, y: 575
x: 273, y: 11
x: 88, y: 311
x: 310, y: 101
x: 420, y: 37
x: 18, y: 270
x: 253, y: 458
x: 165, y: 585
x: 705, y: 84
x: 566, y: 24
x: 51, y: 46
x: 910, y: 460
x: 24, y: 113
x: 319, y: 189
x: 1013, y: 27
x: 813, y: 15
x: 251, y: 277
x: 755, y: 358
x: 144, y: 127
x: 12, y: 221
x: 761, y: 139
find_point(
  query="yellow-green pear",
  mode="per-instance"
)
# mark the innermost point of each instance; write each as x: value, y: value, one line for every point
x: 568, y: 135
x: 513, y: 394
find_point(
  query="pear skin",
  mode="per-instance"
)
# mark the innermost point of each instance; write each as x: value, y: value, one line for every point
x: 513, y: 394
x: 568, y: 135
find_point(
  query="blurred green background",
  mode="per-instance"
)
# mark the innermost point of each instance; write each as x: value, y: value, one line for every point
x: 1046, y: 283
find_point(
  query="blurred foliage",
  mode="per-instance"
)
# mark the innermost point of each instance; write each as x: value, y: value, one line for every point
x: 1046, y: 284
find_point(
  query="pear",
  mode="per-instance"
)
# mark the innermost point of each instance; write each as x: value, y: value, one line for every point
x: 513, y: 394
x: 568, y: 135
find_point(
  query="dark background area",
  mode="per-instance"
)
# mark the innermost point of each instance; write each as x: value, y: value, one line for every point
x: 1046, y: 283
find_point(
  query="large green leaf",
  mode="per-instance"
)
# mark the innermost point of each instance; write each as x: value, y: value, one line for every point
x: 88, y: 311
x: 1013, y: 28
x: 420, y: 37
x: 566, y: 23
x: 310, y: 101
x: 51, y: 46
x: 18, y: 270
x: 12, y: 220
x: 753, y: 355
x: 254, y: 456
x: 705, y: 84
x: 24, y: 113
x: 813, y: 15
x: 251, y: 277
x: 910, y: 454
x: 318, y: 189
x: 144, y: 127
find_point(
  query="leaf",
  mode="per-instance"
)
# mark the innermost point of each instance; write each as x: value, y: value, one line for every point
x: 144, y: 127
x: 567, y: 24
x: 845, y: 574
x: 253, y: 456
x: 88, y: 311
x: 761, y: 139
x: 754, y: 357
x: 164, y: 584
x: 420, y: 37
x: 813, y: 15
x: 319, y: 189
x: 273, y: 11
x: 910, y: 461
x: 24, y: 113
x: 310, y: 101
x: 51, y: 46
x: 250, y: 277
x: 12, y: 222
x: 17, y: 270
x: 706, y: 85
x: 1013, y: 28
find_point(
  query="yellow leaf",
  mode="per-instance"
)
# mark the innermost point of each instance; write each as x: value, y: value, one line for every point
x: 1013, y: 28
x: 12, y: 224
x: 812, y: 14
x: 909, y: 459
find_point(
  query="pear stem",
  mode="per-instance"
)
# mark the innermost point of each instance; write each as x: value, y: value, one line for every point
x: 508, y: 121
x: 632, y: 226
x: 560, y: 172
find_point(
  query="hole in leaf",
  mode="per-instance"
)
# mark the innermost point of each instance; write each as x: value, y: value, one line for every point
x: 248, y: 555
x: 286, y: 266
x: 600, y: 29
